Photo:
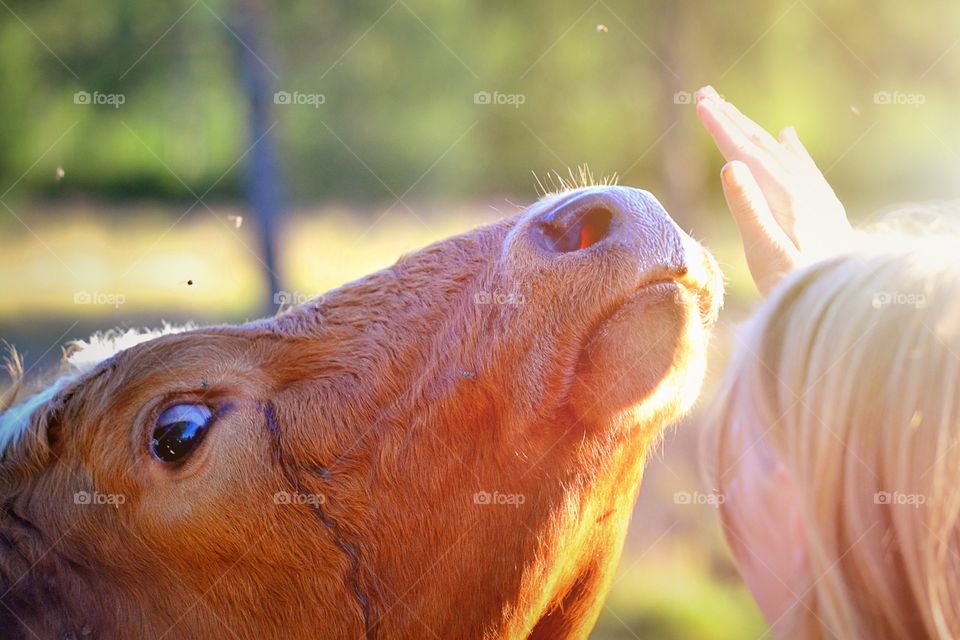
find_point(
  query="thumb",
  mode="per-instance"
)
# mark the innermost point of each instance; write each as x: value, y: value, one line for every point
x: 769, y: 251
x: 750, y: 208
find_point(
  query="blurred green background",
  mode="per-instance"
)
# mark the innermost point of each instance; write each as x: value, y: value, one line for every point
x: 153, y: 153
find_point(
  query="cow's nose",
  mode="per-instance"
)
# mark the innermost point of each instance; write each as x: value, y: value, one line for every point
x: 577, y: 222
x: 626, y: 230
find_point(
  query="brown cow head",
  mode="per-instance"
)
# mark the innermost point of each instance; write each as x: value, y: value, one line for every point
x: 447, y: 448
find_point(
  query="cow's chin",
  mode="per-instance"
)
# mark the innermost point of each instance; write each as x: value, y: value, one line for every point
x: 644, y: 363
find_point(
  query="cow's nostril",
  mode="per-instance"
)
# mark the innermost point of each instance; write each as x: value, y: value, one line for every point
x: 568, y: 230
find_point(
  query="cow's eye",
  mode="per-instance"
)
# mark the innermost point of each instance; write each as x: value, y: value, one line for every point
x: 179, y: 430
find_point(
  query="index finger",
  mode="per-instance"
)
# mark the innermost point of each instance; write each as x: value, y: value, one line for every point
x: 729, y: 139
x: 734, y: 144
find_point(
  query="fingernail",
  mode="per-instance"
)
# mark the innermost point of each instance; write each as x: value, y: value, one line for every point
x: 729, y: 175
x: 709, y: 91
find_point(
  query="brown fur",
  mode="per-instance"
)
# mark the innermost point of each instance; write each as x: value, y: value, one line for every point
x: 397, y: 398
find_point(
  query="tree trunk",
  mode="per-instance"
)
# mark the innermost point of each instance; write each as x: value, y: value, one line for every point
x: 263, y: 185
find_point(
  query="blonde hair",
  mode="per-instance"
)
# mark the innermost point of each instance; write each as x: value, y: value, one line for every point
x: 849, y: 377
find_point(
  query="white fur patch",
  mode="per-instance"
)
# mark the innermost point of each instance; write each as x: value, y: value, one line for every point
x: 15, y: 420
x: 84, y: 355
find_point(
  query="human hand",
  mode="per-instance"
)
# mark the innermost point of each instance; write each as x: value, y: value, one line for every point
x: 787, y: 213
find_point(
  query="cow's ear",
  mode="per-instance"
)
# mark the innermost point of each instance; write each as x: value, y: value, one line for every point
x: 41, y: 593
x: 28, y: 430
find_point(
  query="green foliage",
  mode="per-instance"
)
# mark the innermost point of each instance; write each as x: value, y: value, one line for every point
x: 399, y: 79
x: 674, y: 596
